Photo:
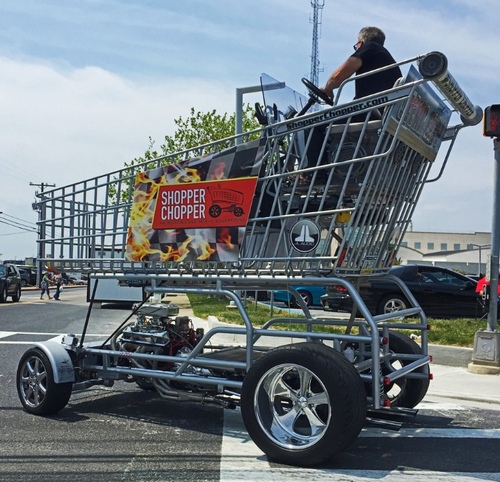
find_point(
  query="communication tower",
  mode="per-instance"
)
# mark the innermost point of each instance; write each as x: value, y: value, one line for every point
x: 317, y: 6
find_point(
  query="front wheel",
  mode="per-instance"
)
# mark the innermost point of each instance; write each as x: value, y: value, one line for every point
x: 306, y: 296
x: 3, y: 294
x: 37, y: 390
x: 303, y: 403
x: 17, y: 296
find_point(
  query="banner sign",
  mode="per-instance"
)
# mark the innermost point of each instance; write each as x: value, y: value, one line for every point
x: 204, y: 204
x: 196, y: 209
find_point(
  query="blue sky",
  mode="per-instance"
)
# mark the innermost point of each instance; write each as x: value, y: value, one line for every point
x: 84, y: 83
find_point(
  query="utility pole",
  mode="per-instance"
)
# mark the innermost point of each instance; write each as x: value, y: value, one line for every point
x: 317, y: 6
x: 42, y: 185
x: 40, y: 208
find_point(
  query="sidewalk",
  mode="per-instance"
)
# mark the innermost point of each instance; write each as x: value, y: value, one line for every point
x: 460, y: 384
x: 451, y: 379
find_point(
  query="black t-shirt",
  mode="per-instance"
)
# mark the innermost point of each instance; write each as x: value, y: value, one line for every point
x: 374, y: 56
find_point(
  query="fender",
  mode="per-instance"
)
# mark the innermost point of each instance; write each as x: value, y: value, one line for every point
x: 62, y: 365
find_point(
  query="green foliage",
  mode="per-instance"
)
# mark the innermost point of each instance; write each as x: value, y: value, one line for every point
x: 198, y: 129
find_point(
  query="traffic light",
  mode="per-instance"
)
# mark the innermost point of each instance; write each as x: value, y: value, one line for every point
x: 491, y: 121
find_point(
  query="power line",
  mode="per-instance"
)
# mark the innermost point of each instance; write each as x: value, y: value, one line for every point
x: 18, y: 225
x: 17, y: 219
x: 14, y: 170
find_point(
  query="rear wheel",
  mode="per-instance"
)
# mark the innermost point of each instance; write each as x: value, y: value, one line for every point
x: 215, y: 211
x: 37, y: 390
x: 405, y: 392
x: 392, y: 303
x: 303, y: 403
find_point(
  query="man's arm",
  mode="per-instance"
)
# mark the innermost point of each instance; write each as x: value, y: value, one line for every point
x: 348, y: 68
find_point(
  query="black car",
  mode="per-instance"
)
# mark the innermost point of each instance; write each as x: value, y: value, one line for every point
x: 441, y: 292
x: 28, y: 275
x: 10, y: 282
x: 25, y: 277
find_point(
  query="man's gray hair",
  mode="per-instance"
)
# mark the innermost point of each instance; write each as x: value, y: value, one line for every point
x: 371, y: 34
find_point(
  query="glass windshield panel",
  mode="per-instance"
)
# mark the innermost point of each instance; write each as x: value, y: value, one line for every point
x: 280, y: 102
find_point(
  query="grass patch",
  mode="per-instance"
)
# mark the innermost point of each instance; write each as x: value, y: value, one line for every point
x: 451, y: 332
x: 455, y: 331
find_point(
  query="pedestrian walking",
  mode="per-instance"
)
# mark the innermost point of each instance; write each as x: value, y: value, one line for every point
x: 59, y: 280
x: 45, y: 285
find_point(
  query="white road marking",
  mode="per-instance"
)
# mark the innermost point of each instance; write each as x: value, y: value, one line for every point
x: 6, y: 334
x: 454, y: 433
x: 242, y: 460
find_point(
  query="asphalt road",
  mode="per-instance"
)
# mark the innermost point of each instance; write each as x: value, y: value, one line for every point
x: 125, y: 433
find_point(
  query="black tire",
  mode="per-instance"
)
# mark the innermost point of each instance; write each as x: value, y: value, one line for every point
x: 3, y: 295
x: 24, y: 283
x: 405, y: 392
x: 144, y: 383
x: 16, y: 297
x: 320, y: 386
x: 238, y: 212
x: 214, y: 210
x: 392, y: 303
x: 37, y: 390
x: 306, y: 296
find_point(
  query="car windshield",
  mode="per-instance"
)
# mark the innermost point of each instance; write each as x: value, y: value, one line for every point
x: 2, y: 270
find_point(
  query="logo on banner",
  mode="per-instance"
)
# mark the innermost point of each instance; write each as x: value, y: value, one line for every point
x: 204, y: 204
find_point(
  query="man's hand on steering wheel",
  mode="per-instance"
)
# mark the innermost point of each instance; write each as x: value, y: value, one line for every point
x: 316, y: 93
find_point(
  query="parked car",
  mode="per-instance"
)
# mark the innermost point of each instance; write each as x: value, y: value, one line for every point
x: 73, y: 280
x: 10, y: 282
x: 310, y: 294
x: 28, y: 276
x: 441, y: 292
x: 25, y: 278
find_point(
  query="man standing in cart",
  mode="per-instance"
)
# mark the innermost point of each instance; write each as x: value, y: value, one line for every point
x: 369, y: 54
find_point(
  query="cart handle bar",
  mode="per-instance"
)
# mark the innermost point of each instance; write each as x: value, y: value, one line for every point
x: 434, y: 66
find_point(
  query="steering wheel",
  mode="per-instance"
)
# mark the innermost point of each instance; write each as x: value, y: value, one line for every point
x: 316, y: 93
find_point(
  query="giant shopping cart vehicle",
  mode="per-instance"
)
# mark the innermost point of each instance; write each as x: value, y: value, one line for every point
x: 319, y: 195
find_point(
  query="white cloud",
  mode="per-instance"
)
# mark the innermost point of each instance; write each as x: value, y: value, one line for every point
x: 63, y: 126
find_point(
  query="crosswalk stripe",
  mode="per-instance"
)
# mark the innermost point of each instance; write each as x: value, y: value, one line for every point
x: 242, y: 460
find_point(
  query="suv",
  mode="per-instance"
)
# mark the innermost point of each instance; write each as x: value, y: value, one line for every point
x: 10, y: 282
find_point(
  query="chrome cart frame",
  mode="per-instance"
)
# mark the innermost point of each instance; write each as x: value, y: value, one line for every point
x: 321, y: 198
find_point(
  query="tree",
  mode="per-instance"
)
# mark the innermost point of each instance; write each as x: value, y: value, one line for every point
x: 199, y: 129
